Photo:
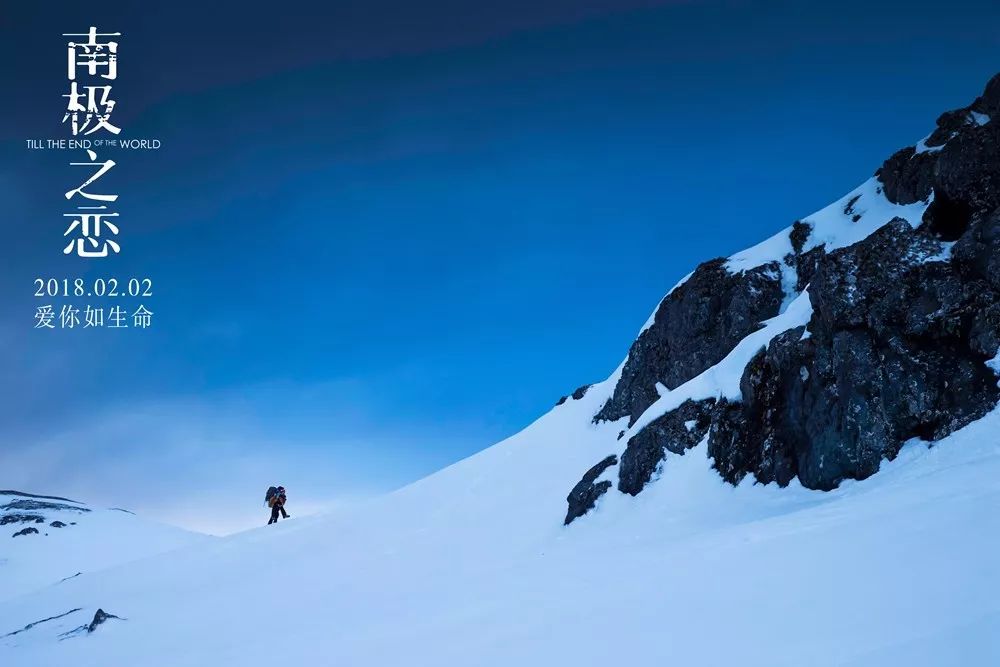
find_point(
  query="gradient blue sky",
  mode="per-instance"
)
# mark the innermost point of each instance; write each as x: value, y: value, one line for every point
x: 385, y: 235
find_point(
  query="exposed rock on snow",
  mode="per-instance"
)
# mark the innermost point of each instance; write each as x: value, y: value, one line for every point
x: 802, y: 261
x: 903, y: 322
x: 584, y: 495
x: 692, y: 330
x: 740, y: 443
x: 907, y: 176
x: 100, y: 617
x: 30, y: 508
x: 669, y: 432
x: 21, y: 518
x: 577, y: 394
x: 26, y: 504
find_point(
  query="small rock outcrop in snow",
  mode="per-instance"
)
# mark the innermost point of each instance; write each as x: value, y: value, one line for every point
x: 100, y: 617
x: 28, y: 508
x: 577, y: 394
x: 670, y: 432
x: 586, y: 492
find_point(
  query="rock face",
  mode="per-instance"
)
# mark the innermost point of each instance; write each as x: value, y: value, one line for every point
x: 676, y: 431
x: 694, y: 327
x: 908, y: 176
x: 903, y: 323
x: 889, y: 358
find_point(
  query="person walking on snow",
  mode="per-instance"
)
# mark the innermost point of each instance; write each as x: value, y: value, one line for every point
x: 276, y: 501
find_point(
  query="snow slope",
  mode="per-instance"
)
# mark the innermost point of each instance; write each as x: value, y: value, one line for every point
x: 472, y: 566
x: 45, y: 539
x: 850, y: 219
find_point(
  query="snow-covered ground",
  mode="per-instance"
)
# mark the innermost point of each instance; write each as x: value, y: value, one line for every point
x: 46, y: 539
x: 472, y: 566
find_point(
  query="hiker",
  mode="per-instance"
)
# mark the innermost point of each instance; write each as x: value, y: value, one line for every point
x: 276, y: 501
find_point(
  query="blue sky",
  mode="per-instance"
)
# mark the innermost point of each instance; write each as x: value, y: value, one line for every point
x: 383, y: 237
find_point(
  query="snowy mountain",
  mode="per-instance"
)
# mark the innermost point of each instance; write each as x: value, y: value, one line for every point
x: 47, y: 539
x: 816, y: 354
x: 722, y: 508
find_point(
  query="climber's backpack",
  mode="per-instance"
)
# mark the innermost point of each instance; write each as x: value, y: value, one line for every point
x: 272, y: 491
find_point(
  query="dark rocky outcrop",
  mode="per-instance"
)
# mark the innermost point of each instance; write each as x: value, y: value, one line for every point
x: 966, y: 180
x: 57, y: 524
x: 799, y: 235
x: 977, y: 253
x: 739, y: 445
x: 38, y: 505
x: 676, y: 431
x: 903, y: 324
x: 11, y: 492
x: 907, y: 177
x: 953, y: 122
x: 100, y: 617
x: 948, y: 124
x: 693, y: 329
x: 25, y: 531
x: 890, y: 357
x: 805, y: 266
x: 805, y: 261
x: 21, y: 518
x: 577, y: 394
x: 584, y: 495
